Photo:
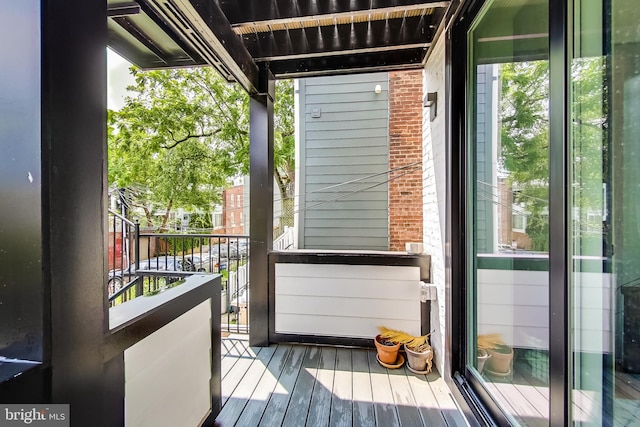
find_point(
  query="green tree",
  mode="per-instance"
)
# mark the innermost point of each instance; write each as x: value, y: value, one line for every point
x: 182, y: 134
x: 284, y: 148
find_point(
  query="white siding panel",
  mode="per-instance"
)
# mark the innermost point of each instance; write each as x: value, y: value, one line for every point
x: 514, y: 315
x: 167, y: 374
x: 348, y: 307
x: 528, y: 295
x: 346, y: 300
x: 357, y: 327
x: 521, y: 277
x: 346, y: 288
x: 514, y: 303
x: 376, y: 272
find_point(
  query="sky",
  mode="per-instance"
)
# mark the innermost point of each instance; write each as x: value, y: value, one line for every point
x: 118, y: 78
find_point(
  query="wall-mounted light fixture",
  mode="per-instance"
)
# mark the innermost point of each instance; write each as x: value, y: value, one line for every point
x: 377, y: 89
x: 431, y: 100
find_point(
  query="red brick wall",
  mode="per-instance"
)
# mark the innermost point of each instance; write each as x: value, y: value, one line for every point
x: 232, y: 210
x: 405, y: 147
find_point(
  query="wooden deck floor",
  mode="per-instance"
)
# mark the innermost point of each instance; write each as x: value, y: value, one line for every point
x: 295, y: 385
x: 527, y: 400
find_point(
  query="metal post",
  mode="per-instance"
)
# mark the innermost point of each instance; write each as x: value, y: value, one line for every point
x: 560, y: 370
x: 140, y: 281
x: 261, y: 207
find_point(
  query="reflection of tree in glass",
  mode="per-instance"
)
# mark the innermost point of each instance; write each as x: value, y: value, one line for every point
x: 590, y: 152
x: 524, y: 116
x: 524, y: 141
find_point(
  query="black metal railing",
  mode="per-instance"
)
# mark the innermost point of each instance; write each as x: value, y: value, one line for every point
x: 152, y: 262
x: 123, y: 236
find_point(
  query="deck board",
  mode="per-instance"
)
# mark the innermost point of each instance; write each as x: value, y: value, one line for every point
x: 254, y: 409
x: 236, y: 373
x: 232, y: 351
x: 363, y: 413
x: 279, y: 400
x: 425, y: 400
x: 383, y: 404
x: 295, y: 385
x: 301, y: 397
x: 235, y: 404
x: 408, y: 413
x: 448, y: 407
x: 341, y: 405
x: 320, y: 408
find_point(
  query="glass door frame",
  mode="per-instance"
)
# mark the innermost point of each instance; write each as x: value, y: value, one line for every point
x: 458, y: 234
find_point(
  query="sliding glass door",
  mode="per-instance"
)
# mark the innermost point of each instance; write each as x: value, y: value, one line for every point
x: 605, y: 207
x: 550, y: 229
x: 508, y: 207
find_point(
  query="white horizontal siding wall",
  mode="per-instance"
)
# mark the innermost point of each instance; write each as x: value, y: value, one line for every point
x: 515, y: 304
x: 346, y: 300
x: 168, y: 374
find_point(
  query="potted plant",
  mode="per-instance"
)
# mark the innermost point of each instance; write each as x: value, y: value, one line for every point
x: 387, y: 350
x: 500, y: 354
x: 419, y: 352
x: 483, y: 355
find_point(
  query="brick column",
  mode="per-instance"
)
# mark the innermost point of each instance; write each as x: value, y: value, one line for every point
x: 405, y: 147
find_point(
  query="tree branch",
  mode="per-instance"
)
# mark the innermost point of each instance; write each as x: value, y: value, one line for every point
x: 189, y: 136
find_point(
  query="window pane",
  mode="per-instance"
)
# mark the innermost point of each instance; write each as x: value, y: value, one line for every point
x: 509, y: 137
x: 605, y: 206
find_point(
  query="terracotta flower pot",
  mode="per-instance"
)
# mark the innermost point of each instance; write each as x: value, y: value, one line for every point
x: 500, y: 361
x: 386, y: 353
x: 419, y: 361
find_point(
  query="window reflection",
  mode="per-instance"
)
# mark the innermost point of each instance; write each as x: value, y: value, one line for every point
x: 605, y: 144
x: 510, y: 217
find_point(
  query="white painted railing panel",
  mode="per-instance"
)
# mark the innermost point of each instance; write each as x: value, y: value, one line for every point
x: 514, y: 304
x: 285, y: 240
x: 237, y: 280
x: 346, y: 300
x: 168, y: 374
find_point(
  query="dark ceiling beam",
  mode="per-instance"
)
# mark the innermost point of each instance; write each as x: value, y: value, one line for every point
x: 345, y: 39
x: 142, y: 38
x: 239, y: 12
x: 123, y: 10
x: 363, y: 62
x: 195, y: 57
x: 212, y: 25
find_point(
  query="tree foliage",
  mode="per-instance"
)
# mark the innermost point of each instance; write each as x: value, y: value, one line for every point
x: 182, y: 134
x: 524, y: 115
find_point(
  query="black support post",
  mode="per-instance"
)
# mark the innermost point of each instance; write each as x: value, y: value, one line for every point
x: 74, y: 85
x: 261, y: 207
x: 559, y: 254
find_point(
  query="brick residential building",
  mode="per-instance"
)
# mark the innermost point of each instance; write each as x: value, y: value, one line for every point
x: 233, y: 210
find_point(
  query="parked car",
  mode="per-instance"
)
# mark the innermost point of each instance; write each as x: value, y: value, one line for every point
x: 119, y: 278
x: 243, y: 247
x: 223, y: 251
x: 166, y: 263
x: 207, y: 263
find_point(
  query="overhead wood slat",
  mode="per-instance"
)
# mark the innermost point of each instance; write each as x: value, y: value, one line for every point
x: 405, y: 59
x: 371, y: 15
x: 291, y: 38
x: 349, y: 39
x: 269, y: 10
